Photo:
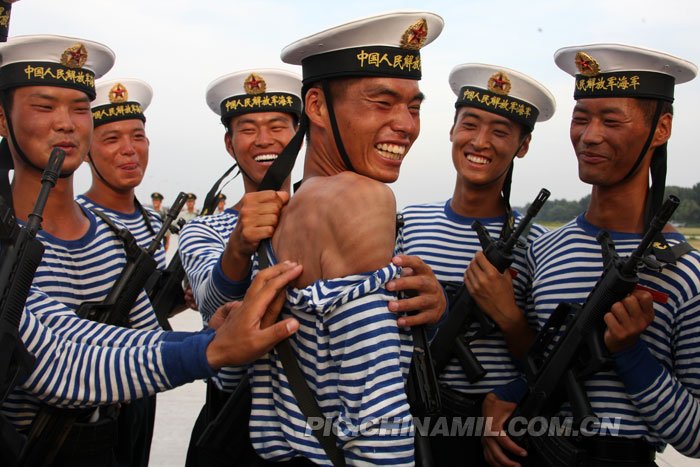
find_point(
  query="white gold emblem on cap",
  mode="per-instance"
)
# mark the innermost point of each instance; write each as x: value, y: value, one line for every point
x: 75, y: 56
x: 499, y: 83
x: 415, y: 36
x: 586, y: 65
x: 118, y: 94
x: 254, y: 84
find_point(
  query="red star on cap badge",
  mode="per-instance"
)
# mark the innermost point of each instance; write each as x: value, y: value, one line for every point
x: 254, y: 84
x: 415, y: 36
x: 586, y: 64
x: 75, y: 56
x: 499, y: 83
x: 118, y: 94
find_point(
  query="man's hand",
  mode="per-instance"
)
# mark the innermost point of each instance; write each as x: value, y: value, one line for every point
x: 429, y: 304
x: 627, y: 320
x: 493, y: 293
x: 257, y: 220
x: 499, y: 411
x: 250, y: 329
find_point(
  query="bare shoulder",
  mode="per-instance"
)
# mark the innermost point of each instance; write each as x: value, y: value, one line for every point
x: 338, y: 226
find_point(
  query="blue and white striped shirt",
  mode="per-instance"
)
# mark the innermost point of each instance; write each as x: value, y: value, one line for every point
x: 447, y: 243
x: 96, y: 370
x: 655, y: 389
x: 136, y: 224
x: 201, y: 244
x: 355, y: 360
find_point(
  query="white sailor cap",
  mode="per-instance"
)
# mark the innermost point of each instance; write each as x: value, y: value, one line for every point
x: 502, y: 91
x: 616, y: 70
x: 255, y: 90
x: 120, y: 99
x: 46, y: 60
x: 384, y: 45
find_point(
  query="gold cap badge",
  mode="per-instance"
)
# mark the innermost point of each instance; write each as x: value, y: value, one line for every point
x: 118, y: 94
x: 586, y: 64
x: 75, y: 56
x: 499, y: 83
x: 254, y: 84
x: 415, y: 36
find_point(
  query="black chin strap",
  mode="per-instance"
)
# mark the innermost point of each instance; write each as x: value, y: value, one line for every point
x: 282, y: 167
x: 334, y: 126
x: 99, y: 175
x: 509, y: 222
x: 645, y: 148
x: 211, y: 200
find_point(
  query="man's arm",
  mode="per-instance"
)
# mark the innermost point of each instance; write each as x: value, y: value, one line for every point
x: 74, y: 374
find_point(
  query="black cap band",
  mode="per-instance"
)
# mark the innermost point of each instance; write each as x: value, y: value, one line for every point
x: 265, y: 102
x: 109, y: 113
x: 19, y: 74
x: 639, y: 84
x: 393, y: 62
x: 513, y: 109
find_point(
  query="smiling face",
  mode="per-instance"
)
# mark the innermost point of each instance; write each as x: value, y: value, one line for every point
x: 255, y: 140
x: 483, y: 146
x: 48, y: 117
x: 378, y: 120
x: 607, y: 135
x: 119, y: 152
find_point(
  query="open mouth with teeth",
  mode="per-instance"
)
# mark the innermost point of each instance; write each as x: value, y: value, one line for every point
x: 265, y: 157
x: 391, y: 151
x: 478, y: 159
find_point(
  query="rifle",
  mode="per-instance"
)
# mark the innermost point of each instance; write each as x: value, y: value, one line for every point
x: 140, y: 266
x: 22, y: 254
x: 451, y: 338
x: 555, y: 370
x: 167, y: 294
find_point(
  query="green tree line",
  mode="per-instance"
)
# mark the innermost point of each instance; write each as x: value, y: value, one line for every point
x: 562, y: 210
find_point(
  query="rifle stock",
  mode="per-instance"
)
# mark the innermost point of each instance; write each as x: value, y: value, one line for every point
x: 450, y: 339
x: 554, y: 370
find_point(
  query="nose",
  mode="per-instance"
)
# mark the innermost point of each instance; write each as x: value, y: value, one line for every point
x: 127, y: 147
x: 406, y: 122
x: 480, y: 138
x: 264, y: 138
x: 63, y: 120
x: 590, y: 133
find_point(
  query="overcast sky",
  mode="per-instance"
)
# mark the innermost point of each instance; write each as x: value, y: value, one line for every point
x: 180, y: 46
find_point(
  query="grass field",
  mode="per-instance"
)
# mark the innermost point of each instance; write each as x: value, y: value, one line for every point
x: 691, y: 233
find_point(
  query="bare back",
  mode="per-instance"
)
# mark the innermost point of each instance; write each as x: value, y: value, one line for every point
x: 337, y: 226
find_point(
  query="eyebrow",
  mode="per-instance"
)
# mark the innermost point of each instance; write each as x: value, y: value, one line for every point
x: 383, y: 90
x: 49, y: 97
x: 498, y: 119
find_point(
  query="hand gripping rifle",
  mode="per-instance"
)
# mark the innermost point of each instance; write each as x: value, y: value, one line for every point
x: 139, y: 268
x: 451, y: 339
x: 21, y: 256
x: 555, y: 369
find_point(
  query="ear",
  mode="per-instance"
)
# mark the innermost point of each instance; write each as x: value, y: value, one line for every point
x: 229, y: 144
x: 3, y: 123
x: 315, y: 106
x: 663, y: 130
x: 524, y: 146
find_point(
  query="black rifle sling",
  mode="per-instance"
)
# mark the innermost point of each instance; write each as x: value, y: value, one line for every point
x: 302, y: 392
x: 124, y: 235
